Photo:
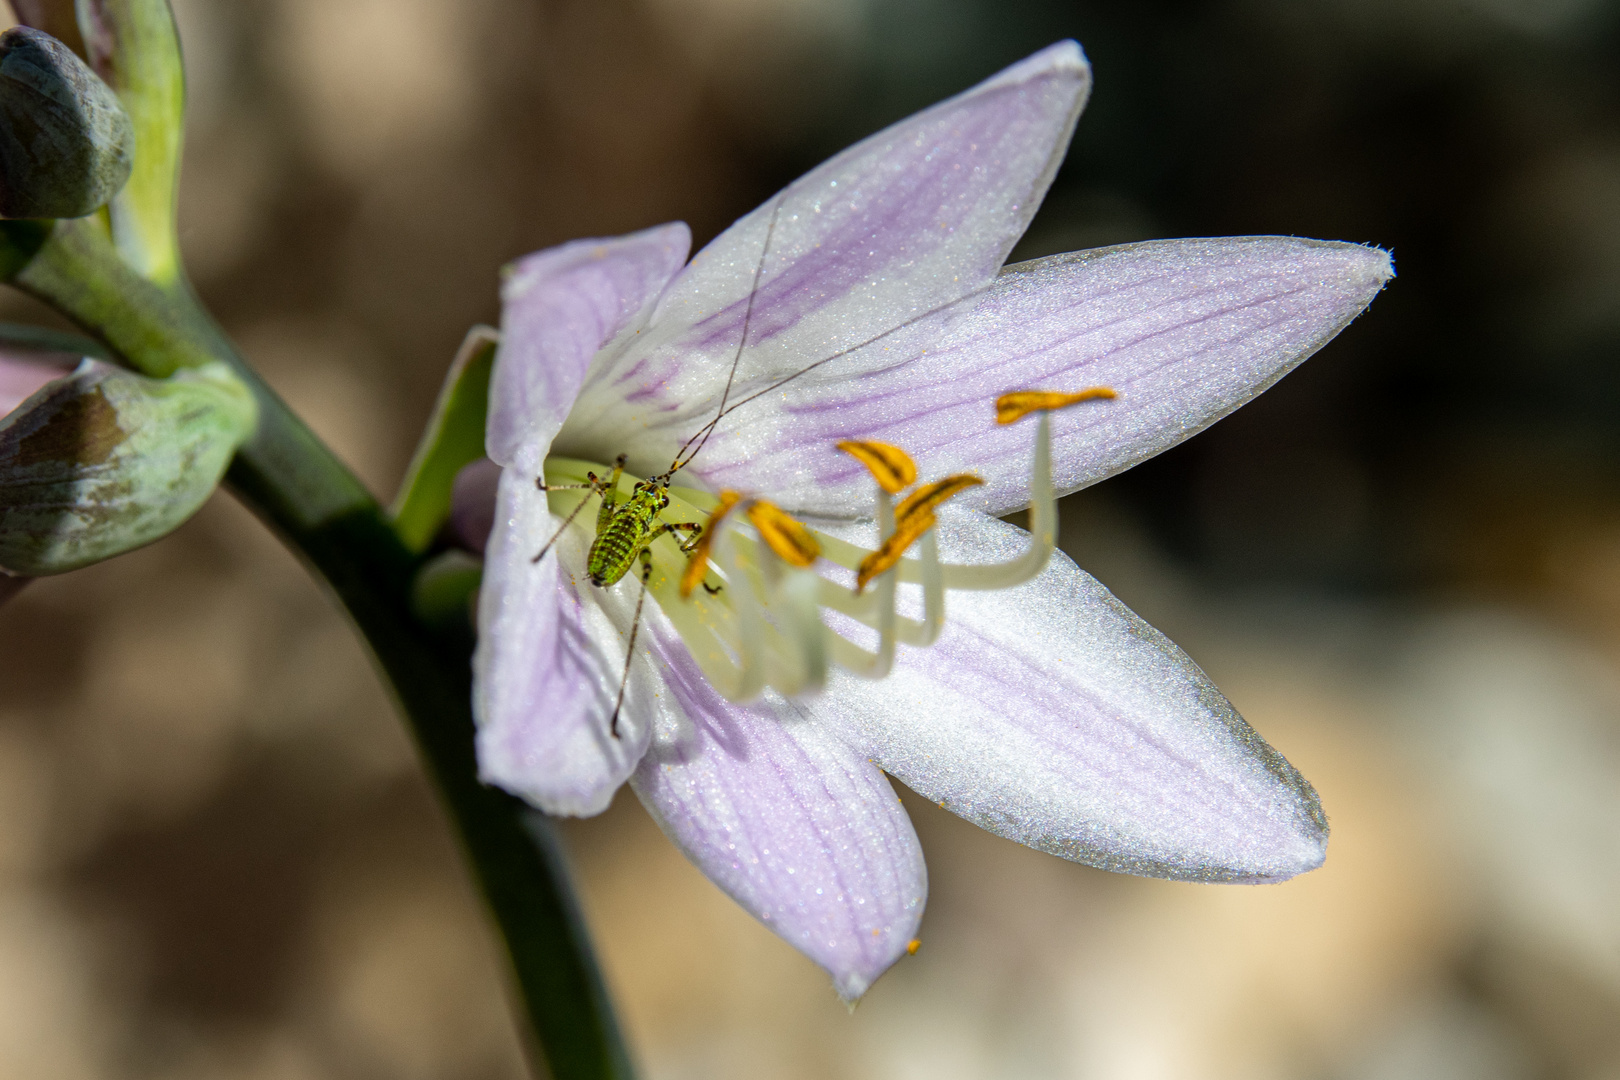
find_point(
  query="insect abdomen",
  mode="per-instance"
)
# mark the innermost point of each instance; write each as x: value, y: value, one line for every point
x: 611, y: 554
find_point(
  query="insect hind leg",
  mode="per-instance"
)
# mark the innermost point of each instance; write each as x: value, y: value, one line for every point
x: 630, y: 649
x: 609, y: 490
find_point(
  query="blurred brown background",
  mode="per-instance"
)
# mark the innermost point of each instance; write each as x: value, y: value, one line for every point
x: 217, y: 855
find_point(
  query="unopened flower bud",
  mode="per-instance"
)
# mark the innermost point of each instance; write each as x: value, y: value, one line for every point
x: 104, y: 461
x: 66, y: 144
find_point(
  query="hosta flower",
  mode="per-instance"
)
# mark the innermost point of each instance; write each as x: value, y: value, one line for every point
x: 868, y: 302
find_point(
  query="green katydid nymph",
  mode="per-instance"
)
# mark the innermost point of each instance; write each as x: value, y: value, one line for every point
x: 626, y: 527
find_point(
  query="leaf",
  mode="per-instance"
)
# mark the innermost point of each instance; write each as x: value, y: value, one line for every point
x: 454, y: 437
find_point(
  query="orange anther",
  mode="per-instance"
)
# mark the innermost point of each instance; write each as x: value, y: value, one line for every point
x: 890, y: 466
x: 698, y: 565
x: 789, y: 539
x: 913, y: 517
x: 931, y: 495
x: 906, y: 532
x: 1020, y: 403
x: 912, y: 946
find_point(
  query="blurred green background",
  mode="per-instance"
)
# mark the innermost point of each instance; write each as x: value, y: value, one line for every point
x: 218, y: 859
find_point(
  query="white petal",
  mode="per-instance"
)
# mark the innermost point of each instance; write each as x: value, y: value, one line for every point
x: 1185, y: 331
x: 547, y: 668
x: 559, y: 307
x: 1052, y: 715
x: 908, y: 220
x: 804, y: 833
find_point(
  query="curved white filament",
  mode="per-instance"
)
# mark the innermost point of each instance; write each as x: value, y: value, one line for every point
x: 764, y: 627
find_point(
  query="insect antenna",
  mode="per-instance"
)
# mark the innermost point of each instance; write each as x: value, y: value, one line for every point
x: 701, y: 436
x: 726, y: 409
x: 779, y: 383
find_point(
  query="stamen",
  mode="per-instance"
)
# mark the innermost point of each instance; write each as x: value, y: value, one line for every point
x: 802, y: 659
x: 890, y: 466
x: 881, y: 615
x: 790, y: 540
x: 698, y: 565
x: 925, y: 498
x: 1013, y: 407
x: 1043, y: 525
x: 753, y: 632
x: 856, y: 660
x: 913, y: 517
x: 786, y: 651
x: 766, y: 627
x: 933, y: 583
x: 869, y: 609
x: 906, y: 532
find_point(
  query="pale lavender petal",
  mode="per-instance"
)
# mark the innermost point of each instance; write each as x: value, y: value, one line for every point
x: 804, y: 833
x: 472, y: 504
x: 1184, y: 330
x: 547, y: 668
x: 24, y: 373
x: 560, y: 307
x: 913, y: 218
x: 1052, y: 715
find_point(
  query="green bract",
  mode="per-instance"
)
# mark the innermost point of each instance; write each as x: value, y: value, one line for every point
x: 66, y: 144
x: 454, y: 437
x: 104, y: 461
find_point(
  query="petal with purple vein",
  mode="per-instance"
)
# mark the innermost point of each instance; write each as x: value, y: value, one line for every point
x: 559, y: 308
x: 804, y: 833
x: 911, y: 219
x: 1185, y: 331
x: 1052, y: 715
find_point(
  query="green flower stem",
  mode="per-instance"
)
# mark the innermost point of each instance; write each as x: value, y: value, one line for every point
x: 290, y: 479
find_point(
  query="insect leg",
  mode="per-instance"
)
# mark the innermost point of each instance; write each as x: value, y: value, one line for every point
x: 594, y: 485
x: 609, y: 490
x: 630, y: 650
x: 693, y: 530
